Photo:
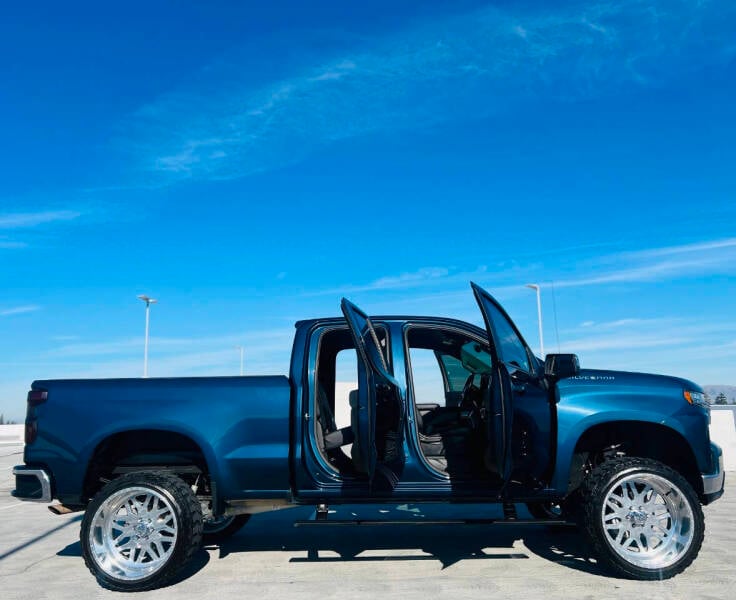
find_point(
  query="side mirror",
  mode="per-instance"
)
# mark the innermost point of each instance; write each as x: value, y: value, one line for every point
x: 559, y: 366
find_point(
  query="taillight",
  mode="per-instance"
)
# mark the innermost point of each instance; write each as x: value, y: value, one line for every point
x: 36, y: 397
x: 31, y: 431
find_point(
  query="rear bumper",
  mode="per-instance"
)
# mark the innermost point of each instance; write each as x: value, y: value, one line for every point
x: 713, y: 482
x: 31, y: 484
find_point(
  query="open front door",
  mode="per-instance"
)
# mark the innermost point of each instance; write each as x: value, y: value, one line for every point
x: 498, y: 400
x: 374, y: 381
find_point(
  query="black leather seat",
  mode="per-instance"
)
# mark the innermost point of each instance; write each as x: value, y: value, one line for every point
x: 329, y: 436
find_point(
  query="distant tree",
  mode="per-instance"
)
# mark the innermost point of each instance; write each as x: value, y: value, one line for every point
x: 708, y: 399
x: 2, y: 420
x: 721, y: 399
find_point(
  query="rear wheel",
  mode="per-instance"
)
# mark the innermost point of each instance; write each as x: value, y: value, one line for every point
x: 217, y: 529
x: 140, y: 530
x: 642, y: 517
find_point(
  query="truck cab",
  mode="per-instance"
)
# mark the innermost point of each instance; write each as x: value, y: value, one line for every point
x: 420, y: 407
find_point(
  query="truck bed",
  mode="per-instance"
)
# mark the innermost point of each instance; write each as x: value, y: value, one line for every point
x: 241, y: 425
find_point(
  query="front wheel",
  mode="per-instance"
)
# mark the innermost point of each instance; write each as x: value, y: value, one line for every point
x: 643, y: 519
x: 140, y: 530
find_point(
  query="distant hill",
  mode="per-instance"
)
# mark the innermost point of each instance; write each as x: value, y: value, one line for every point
x: 728, y: 390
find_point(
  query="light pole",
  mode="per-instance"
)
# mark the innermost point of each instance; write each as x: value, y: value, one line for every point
x: 241, y: 358
x: 536, y: 287
x: 148, y: 302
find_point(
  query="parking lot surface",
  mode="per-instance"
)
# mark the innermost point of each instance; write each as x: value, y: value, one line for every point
x: 270, y: 558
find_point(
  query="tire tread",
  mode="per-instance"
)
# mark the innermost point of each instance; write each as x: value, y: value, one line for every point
x: 191, y: 538
x: 594, y: 486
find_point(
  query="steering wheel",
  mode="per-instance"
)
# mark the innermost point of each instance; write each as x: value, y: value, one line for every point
x: 471, y: 395
x: 472, y: 399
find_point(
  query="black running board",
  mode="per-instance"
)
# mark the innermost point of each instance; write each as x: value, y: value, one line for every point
x: 378, y: 522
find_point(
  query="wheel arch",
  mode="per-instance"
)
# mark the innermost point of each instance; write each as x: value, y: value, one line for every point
x: 146, y: 447
x: 632, y: 437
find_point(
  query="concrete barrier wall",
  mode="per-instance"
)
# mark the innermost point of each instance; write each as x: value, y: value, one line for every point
x: 11, y: 434
x: 723, y: 433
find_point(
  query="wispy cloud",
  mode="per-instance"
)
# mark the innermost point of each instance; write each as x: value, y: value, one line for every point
x: 419, y: 278
x: 656, y: 264
x: 20, y: 220
x: 472, y: 65
x: 266, y: 351
x: 699, y: 247
x: 259, y: 341
x: 628, y: 343
x: 8, y: 243
x: 19, y: 310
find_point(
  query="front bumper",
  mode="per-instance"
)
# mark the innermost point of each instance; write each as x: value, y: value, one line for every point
x: 713, y: 482
x: 31, y: 484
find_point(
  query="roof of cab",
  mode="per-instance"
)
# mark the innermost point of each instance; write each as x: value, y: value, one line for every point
x: 389, y: 318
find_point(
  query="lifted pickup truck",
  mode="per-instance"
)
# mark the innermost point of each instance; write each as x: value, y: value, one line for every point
x: 442, y: 411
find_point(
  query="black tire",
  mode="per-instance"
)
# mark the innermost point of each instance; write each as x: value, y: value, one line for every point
x: 165, y: 555
x: 622, y: 529
x: 215, y: 531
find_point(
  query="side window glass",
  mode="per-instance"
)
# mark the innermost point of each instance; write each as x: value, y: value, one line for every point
x: 455, y: 373
x: 429, y: 386
x: 511, y: 349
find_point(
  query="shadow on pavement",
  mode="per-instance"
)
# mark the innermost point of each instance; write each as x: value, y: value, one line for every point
x: 447, y: 544
x: 40, y: 537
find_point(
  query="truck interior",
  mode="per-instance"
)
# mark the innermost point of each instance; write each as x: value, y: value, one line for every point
x: 336, y: 408
x: 448, y: 372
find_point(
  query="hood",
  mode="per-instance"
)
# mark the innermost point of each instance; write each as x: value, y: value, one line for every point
x: 617, y: 380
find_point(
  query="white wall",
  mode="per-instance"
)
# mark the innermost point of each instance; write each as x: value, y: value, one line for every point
x: 11, y: 434
x: 723, y: 433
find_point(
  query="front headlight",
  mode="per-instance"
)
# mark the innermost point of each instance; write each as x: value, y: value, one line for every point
x: 697, y: 398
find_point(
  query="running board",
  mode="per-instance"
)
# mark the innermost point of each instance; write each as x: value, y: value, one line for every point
x: 376, y: 522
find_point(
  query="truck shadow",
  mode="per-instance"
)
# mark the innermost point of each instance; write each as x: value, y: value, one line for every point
x: 448, y: 544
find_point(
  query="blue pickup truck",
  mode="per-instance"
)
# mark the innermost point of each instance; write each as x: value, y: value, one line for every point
x: 384, y: 410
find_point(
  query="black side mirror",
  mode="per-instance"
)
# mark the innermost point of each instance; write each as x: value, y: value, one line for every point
x: 559, y: 366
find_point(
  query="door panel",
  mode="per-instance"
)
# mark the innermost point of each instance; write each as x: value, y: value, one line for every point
x: 498, y: 401
x: 375, y: 383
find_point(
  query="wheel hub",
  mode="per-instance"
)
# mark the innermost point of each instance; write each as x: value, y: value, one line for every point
x: 144, y: 528
x: 637, y: 517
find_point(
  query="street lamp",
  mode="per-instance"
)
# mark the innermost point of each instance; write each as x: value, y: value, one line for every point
x: 536, y: 287
x: 148, y: 302
x: 241, y: 358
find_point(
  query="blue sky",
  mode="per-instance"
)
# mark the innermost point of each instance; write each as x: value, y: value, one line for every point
x: 250, y: 163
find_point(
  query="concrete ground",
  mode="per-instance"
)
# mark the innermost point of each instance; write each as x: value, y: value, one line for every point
x: 269, y: 558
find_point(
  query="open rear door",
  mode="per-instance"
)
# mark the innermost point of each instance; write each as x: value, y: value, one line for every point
x: 498, y: 401
x: 372, y: 373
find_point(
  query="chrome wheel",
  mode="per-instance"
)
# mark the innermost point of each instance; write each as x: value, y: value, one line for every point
x: 133, y: 533
x: 647, y: 520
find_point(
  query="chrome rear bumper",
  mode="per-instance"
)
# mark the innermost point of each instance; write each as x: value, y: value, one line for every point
x: 33, y: 485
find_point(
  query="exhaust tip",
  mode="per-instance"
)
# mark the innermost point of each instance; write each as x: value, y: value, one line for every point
x: 60, y: 509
